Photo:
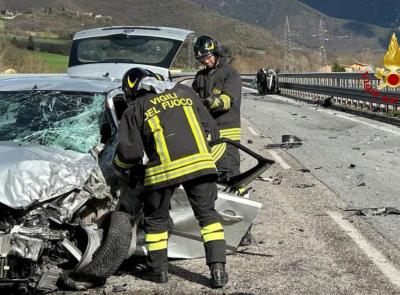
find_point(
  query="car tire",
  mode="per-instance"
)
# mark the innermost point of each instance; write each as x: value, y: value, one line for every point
x: 108, y: 257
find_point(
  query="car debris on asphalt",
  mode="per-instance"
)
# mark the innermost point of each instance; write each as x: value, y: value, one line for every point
x: 303, y: 185
x: 305, y: 170
x: 273, y: 180
x: 383, y: 211
x: 288, y: 141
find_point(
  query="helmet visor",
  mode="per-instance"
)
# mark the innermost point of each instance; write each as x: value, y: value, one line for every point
x: 202, y: 55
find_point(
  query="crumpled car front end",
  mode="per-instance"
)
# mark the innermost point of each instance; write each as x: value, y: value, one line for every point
x: 50, y: 202
x: 57, y: 201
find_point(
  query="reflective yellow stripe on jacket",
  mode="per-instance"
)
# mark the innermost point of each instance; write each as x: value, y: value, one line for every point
x: 121, y: 164
x: 217, y: 151
x: 159, y: 138
x: 231, y: 133
x: 226, y: 100
x: 170, y: 169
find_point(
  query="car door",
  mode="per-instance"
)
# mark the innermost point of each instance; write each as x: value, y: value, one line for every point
x: 237, y: 212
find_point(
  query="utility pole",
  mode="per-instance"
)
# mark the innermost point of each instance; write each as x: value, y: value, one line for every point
x: 288, y: 59
x: 322, y: 61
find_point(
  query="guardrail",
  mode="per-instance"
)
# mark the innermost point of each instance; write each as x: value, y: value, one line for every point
x: 349, y: 89
x: 357, y: 90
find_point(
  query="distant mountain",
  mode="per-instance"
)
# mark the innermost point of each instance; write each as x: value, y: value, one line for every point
x: 252, y: 30
x: 345, y: 36
x: 239, y: 37
x: 384, y: 13
x: 175, y: 13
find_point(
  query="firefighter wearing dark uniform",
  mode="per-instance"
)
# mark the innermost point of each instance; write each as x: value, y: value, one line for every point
x: 220, y: 87
x: 168, y: 122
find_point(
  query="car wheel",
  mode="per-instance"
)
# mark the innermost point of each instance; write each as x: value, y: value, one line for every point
x: 107, y: 258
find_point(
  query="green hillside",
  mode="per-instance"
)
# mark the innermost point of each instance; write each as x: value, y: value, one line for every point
x: 56, y: 63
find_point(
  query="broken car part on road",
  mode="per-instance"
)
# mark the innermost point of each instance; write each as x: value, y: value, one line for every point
x: 288, y: 142
x: 383, y: 211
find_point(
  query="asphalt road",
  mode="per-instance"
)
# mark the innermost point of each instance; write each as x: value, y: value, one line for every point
x: 304, y: 240
x: 357, y: 158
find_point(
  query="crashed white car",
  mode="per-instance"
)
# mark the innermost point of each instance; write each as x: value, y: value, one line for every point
x: 66, y: 219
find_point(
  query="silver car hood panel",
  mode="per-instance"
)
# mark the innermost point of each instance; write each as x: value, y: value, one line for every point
x: 34, y: 173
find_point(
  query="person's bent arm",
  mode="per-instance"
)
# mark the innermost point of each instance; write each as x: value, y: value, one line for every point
x: 230, y: 92
x: 130, y: 149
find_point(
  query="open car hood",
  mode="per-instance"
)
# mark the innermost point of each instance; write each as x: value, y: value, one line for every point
x: 34, y: 173
x: 111, y: 51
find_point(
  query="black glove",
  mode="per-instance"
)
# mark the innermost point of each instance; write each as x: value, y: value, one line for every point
x: 208, y: 102
x: 121, y: 172
x: 212, y: 103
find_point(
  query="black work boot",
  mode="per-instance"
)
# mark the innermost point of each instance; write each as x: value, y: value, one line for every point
x: 219, y: 277
x: 247, y: 238
x: 158, y: 275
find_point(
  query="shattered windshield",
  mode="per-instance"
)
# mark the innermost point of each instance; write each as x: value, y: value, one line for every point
x: 63, y: 119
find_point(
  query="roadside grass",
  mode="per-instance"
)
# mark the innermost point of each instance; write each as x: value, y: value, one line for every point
x: 56, y: 63
x: 36, y: 39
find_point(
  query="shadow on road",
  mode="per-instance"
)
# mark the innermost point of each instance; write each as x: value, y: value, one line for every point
x: 189, y: 276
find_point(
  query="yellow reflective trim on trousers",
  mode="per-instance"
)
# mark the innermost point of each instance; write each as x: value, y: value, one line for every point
x: 209, y: 164
x: 163, y: 168
x: 226, y: 101
x: 211, y: 228
x: 121, y: 164
x: 196, y: 130
x: 157, y: 246
x: 213, y: 237
x: 159, y: 138
x: 156, y: 237
x: 217, y: 151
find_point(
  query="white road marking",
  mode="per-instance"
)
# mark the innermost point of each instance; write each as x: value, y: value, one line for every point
x: 252, y: 131
x: 273, y: 154
x: 280, y: 160
x: 250, y: 89
x: 388, y: 269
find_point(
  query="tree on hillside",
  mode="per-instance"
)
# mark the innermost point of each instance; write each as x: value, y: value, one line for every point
x: 31, y: 44
x: 338, y: 68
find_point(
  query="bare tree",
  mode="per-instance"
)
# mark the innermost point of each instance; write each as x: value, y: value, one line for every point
x: 5, y: 47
